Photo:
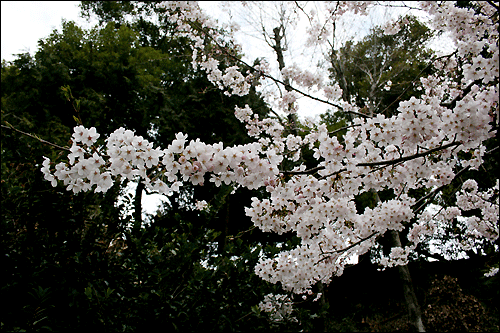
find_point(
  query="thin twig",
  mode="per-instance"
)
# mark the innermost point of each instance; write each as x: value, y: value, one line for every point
x: 347, y: 248
x: 35, y: 137
x: 240, y: 233
x: 304, y: 172
x: 431, y: 194
x: 411, y: 157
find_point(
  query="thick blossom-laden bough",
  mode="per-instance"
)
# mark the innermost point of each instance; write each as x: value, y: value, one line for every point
x: 421, y: 146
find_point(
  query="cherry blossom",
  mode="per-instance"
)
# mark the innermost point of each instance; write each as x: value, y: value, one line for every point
x: 278, y: 306
x: 418, y: 147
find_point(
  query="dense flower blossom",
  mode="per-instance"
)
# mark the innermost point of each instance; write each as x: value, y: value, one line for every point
x: 419, y: 147
x: 278, y: 306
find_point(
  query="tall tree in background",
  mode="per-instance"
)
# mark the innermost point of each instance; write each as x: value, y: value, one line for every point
x: 383, y: 69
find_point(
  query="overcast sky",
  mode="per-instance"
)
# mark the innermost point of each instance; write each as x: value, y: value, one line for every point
x: 25, y: 22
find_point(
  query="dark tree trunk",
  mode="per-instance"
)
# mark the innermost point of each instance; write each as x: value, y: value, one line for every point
x: 138, y: 208
x: 414, y: 312
x: 278, y: 48
x: 225, y: 221
x: 324, y: 304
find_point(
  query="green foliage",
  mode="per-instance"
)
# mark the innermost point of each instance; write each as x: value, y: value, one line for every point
x: 116, y: 11
x: 363, y: 69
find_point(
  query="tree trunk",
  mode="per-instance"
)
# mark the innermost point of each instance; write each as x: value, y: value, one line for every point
x: 324, y: 305
x: 278, y: 48
x: 138, y: 208
x: 414, y: 312
x: 221, y: 241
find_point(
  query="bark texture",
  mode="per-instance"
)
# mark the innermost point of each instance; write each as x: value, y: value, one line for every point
x: 414, y: 312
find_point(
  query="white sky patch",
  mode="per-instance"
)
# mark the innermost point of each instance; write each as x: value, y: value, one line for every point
x: 150, y: 202
x: 25, y: 22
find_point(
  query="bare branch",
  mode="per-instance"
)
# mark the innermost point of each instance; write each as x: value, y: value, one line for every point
x: 35, y: 137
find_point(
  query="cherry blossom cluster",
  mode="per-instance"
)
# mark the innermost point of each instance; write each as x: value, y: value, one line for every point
x: 302, y: 77
x: 248, y: 165
x: 85, y: 168
x: 131, y: 156
x: 185, y: 14
x: 422, y: 125
x: 202, y: 205
x: 311, y: 82
x: 257, y: 127
x: 430, y: 223
x: 487, y: 202
x: 493, y: 271
x: 278, y: 306
x: 330, y: 229
x: 325, y: 14
x: 419, y: 147
x: 474, y: 35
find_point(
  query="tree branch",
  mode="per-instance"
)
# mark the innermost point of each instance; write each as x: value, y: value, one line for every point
x: 411, y: 157
x: 35, y: 137
x: 287, y: 86
x: 415, y: 79
x: 304, y: 172
x: 347, y: 248
x: 431, y: 194
x: 492, y: 4
x: 379, y: 163
x: 464, y: 93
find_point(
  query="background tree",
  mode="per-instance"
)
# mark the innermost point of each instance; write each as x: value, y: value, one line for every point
x: 383, y: 69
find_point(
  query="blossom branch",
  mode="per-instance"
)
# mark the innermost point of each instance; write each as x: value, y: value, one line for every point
x: 287, y: 86
x: 464, y: 93
x: 431, y: 194
x: 347, y: 248
x: 411, y: 157
x: 416, y: 77
x: 379, y: 163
